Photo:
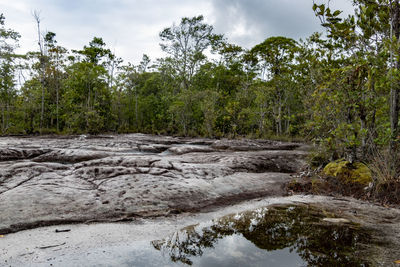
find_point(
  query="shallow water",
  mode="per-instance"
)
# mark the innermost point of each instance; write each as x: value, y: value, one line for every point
x: 230, y: 251
x: 256, y: 234
x: 275, y: 236
x: 271, y: 236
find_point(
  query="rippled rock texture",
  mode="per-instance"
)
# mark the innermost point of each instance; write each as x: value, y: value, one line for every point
x: 48, y: 180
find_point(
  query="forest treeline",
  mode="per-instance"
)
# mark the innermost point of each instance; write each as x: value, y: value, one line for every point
x: 338, y: 88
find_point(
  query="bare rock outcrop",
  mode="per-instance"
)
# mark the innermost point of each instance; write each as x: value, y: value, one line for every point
x: 71, y: 180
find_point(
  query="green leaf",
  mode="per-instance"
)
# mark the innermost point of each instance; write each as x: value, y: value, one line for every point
x: 314, y: 7
x: 337, y: 13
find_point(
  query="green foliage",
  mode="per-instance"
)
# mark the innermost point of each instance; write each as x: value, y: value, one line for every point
x: 332, y: 89
x: 8, y: 44
x: 95, y: 122
x: 186, y: 44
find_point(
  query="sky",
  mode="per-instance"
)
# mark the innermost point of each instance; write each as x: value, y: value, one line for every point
x: 130, y: 28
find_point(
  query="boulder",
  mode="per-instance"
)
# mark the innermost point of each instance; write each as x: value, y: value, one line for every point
x: 349, y: 173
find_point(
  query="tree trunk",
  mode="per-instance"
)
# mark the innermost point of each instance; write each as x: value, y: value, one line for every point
x: 280, y: 118
x: 394, y: 91
x: 42, y: 111
x: 287, y: 130
x: 36, y: 15
x: 7, y: 114
x: 136, y: 109
x: 3, y: 126
x: 57, y: 101
x: 363, y: 119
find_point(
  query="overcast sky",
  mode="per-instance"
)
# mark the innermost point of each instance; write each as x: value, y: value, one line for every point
x: 131, y: 27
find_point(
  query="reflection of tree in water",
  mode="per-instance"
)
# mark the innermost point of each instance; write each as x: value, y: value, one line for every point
x: 299, y: 228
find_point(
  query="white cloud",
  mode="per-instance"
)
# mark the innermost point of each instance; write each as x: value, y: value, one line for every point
x: 248, y: 23
x: 131, y: 27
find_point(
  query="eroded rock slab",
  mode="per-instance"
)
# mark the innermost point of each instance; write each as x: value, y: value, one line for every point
x: 66, y: 180
x: 7, y: 154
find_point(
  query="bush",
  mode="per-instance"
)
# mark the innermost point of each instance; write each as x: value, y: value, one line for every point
x: 95, y: 123
x: 386, y: 185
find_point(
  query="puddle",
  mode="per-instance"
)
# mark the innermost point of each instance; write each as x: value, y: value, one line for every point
x: 273, y: 236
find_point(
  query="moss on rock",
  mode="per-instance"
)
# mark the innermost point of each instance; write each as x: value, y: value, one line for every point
x: 349, y: 173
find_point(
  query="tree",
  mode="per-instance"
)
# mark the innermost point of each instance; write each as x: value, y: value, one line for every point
x: 186, y: 44
x: 95, y: 53
x: 394, y: 90
x: 357, y: 77
x: 8, y: 43
x: 274, y: 58
x: 87, y: 97
x: 42, y: 64
x: 54, y: 74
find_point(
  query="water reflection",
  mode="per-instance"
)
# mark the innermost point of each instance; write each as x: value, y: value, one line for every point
x: 275, y: 236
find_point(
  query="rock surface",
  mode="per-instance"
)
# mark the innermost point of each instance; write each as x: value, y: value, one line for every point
x: 117, y: 244
x: 48, y: 180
